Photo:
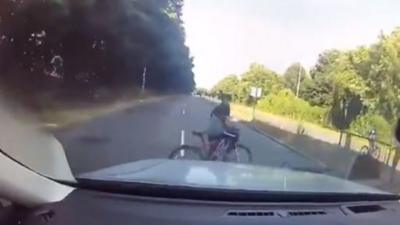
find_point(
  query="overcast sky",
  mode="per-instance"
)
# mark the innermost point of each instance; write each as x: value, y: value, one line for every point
x: 225, y: 36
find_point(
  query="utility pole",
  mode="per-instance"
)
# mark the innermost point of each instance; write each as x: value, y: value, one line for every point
x: 298, y: 82
x: 144, y: 79
x: 253, y: 115
x: 255, y: 92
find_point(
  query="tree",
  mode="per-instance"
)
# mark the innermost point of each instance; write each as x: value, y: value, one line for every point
x: 227, y: 86
x: 318, y: 90
x: 348, y: 90
x: 291, y: 76
x: 346, y: 79
x: 118, y: 39
x: 344, y: 110
x: 324, y: 62
x: 362, y: 83
x: 202, y: 92
x: 256, y: 76
x: 260, y: 76
x: 335, y: 71
x: 382, y: 75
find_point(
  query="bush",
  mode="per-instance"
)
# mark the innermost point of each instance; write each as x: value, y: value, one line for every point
x: 285, y: 103
x: 365, y: 123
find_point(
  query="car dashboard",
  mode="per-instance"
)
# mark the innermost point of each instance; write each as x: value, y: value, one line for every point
x: 84, y: 207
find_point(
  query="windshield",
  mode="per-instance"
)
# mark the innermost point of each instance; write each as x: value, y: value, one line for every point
x: 295, y: 96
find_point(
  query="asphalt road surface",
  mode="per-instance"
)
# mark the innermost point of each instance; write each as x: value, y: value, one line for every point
x: 153, y: 128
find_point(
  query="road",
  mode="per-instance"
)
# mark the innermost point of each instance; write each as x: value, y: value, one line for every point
x: 152, y: 129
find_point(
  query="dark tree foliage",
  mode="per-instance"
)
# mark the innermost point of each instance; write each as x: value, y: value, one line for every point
x: 345, y: 110
x: 79, y: 46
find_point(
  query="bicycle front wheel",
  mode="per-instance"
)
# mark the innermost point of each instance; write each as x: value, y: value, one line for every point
x: 242, y: 154
x: 364, y: 150
x: 186, y: 152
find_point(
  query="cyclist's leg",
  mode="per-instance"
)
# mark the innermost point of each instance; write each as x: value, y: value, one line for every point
x: 218, y: 150
x: 374, y: 147
x: 230, y: 153
x: 370, y: 147
x: 205, y: 143
x: 208, y: 144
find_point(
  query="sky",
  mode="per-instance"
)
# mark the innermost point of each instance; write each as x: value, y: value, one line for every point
x: 226, y: 36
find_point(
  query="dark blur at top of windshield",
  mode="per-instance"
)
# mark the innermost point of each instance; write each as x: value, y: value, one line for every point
x: 63, y: 50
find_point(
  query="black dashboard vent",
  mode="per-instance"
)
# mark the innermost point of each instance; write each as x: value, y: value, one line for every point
x: 250, y: 213
x: 306, y: 213
x: 365, y: 208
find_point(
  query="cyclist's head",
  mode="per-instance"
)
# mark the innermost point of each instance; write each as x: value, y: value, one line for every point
x: 225, y: 98
x: 222, y: 111
x: 220, y: 95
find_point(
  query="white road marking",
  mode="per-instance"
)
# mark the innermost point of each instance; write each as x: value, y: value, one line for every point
x: 182, y: 152
x: 182, y: 137
x: 50, y: 125
x: 284, y: 183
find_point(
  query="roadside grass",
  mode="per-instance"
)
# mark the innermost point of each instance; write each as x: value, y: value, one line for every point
x: 241, y: 112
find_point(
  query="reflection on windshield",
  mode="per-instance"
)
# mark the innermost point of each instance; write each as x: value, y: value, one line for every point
x: 202, y: 176
x: 238, y: 85
x: 219, y: 175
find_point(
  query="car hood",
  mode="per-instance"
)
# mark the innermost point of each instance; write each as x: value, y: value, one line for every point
x: 220, y: 175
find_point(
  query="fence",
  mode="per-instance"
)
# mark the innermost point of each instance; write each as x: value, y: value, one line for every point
x: 386, y: 152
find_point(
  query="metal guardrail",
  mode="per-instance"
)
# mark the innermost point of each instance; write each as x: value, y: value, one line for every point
x: 386, y: 151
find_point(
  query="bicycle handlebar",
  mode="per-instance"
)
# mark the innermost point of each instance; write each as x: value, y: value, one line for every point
x: 197, y: 133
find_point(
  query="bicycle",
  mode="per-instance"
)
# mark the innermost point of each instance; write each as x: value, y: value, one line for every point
x: 225, y: 149
x: 372, y: 149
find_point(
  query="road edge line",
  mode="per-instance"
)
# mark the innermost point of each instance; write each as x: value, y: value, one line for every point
x: 289, y: 147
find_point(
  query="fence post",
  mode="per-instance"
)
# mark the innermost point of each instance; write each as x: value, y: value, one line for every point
x: 388, y: 156
x: 340, y: 137
x: 347, y: 143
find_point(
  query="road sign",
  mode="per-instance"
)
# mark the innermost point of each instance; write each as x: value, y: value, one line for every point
x: 255, y: 92
x: 258, y: 92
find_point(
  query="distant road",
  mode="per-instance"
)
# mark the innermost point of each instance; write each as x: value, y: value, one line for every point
x: 152, y: 129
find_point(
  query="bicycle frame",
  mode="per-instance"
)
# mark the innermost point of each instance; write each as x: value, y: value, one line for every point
x: 226, y: 149
x: 217, y: 153
x: 372, y: 146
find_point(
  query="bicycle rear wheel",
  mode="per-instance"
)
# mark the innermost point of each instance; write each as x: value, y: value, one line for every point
x: 186, y: 152
x: 241, y: 154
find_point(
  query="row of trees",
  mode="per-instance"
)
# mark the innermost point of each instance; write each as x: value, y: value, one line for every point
x: 356, y: 89
x: 71, y: 46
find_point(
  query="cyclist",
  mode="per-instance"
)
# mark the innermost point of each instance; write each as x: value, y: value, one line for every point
x: 218, y: 126
x: 372, y: 140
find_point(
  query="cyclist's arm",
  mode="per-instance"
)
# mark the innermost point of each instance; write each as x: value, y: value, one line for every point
x: 215, y: 127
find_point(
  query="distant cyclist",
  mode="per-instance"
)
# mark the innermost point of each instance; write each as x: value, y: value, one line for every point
x: 372, y: 140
